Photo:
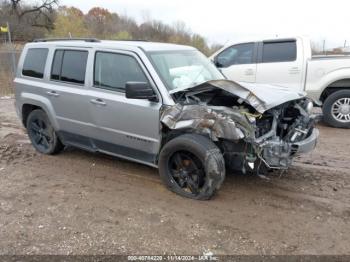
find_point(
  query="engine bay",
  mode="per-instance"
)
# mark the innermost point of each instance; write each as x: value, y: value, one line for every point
x: 247, y: 137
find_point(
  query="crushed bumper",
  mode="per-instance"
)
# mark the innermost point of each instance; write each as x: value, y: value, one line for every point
x: 279, y: 154
x: 308, y: 144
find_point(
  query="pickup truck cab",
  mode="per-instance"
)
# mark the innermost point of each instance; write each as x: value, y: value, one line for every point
x: 288, y: 62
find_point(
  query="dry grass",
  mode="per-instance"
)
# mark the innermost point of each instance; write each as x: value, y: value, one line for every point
x: 6, y: 68
x: 6, y: 83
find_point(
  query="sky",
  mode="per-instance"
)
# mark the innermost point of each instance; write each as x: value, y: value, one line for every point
x: 223, y: 21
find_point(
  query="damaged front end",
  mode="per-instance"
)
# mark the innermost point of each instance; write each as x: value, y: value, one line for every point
x: 284, y: 132
x: 251, y: 128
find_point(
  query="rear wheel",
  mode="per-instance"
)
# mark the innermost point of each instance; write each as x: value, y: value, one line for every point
x: 336, y: 109
x: 192, y: 166
x: 41, y: 133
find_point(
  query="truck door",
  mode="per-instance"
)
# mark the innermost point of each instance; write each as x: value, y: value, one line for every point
x: 237, y: 62
x: 280, y: 62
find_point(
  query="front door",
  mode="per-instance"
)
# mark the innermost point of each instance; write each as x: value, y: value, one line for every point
x: 126, y: 127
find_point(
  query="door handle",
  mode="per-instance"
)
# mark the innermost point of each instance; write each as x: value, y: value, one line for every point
x: 249, y: 72
x: 294, y: 70
x: 98, y: 101
x: 53, y: 93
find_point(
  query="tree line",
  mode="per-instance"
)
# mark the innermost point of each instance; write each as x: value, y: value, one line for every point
x: 48, y: 19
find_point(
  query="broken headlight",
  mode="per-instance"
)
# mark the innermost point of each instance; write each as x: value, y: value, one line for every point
x: 309, y: 106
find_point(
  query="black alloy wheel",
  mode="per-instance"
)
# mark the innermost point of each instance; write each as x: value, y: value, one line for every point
x: 187, y: 171
x: 41, y: 133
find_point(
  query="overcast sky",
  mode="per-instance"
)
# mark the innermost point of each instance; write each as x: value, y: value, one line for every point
x: 229, y: 20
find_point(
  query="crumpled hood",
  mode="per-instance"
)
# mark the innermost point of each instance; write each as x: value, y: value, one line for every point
x: 260, y: 96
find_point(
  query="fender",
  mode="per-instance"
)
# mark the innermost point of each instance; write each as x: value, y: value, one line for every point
x: 40, y: 101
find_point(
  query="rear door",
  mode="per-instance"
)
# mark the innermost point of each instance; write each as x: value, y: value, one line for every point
x: 238, y: 62
x: 66, y: 90
x: 124, y: 127
x: 280, y: 62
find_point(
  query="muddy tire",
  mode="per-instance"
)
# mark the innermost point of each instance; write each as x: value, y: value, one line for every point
x: 192, y: 166
x: 336, y: 109
x: 41, y: 133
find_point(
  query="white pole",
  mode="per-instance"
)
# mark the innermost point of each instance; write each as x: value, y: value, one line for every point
x: 13, y: 49
x: 324, y: 45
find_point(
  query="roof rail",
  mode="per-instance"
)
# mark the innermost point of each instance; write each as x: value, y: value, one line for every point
x: 131, y: 40
x: 66, y: 39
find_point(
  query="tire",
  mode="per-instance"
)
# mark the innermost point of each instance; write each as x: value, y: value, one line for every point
x: 333, y: 103
x: 200, y: 171
x: 41, y: 133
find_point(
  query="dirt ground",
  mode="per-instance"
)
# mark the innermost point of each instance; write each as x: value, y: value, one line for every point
x: 83, y: 203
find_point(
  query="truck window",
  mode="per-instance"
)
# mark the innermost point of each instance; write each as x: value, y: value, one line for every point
x: 112, y: 71
x: 236, y: 55
x: 69, y: 66
x: 279, y: 51
x: 34, y: 63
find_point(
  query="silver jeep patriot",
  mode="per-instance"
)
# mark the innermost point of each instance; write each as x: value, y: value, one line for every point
x: 162, y: 105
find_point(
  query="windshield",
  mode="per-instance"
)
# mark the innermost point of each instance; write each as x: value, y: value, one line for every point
x: 184, y: 69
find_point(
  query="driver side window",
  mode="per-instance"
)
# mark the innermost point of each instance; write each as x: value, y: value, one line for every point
x: 112, y: 71
x: 236, y: 55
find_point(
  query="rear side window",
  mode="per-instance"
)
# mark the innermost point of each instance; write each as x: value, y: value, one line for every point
x: 69, y: 66
x: 112, y: 71
x: 279, y: 51
x: 34, y: 62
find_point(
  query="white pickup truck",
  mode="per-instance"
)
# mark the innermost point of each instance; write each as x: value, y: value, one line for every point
x: 288, y: 62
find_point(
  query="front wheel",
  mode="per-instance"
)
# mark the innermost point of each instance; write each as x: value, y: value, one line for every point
x: 192, y: 166
x: 336, y: 109
x: 41, y: 133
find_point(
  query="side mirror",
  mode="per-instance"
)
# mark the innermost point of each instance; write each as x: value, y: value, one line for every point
x: 140, y: 90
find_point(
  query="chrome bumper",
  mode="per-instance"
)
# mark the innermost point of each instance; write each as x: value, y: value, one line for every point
x: 308, y: 144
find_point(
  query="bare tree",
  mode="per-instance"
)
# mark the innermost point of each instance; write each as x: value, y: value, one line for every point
x: 28, y: 20
x: 41, y: 13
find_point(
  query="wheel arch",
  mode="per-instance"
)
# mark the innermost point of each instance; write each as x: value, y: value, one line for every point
x: 30, y: 102
x: 169, y: 134
x: 334, y: 86
x: 26, y: 110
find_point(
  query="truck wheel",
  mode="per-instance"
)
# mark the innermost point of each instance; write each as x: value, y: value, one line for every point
x: 192, y: 166
x: 336, y: 109
x: 41, y: 133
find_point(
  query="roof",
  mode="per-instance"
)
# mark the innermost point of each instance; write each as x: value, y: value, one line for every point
x: 144, y: 45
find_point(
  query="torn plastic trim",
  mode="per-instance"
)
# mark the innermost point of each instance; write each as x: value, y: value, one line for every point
x: 215, y: 121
